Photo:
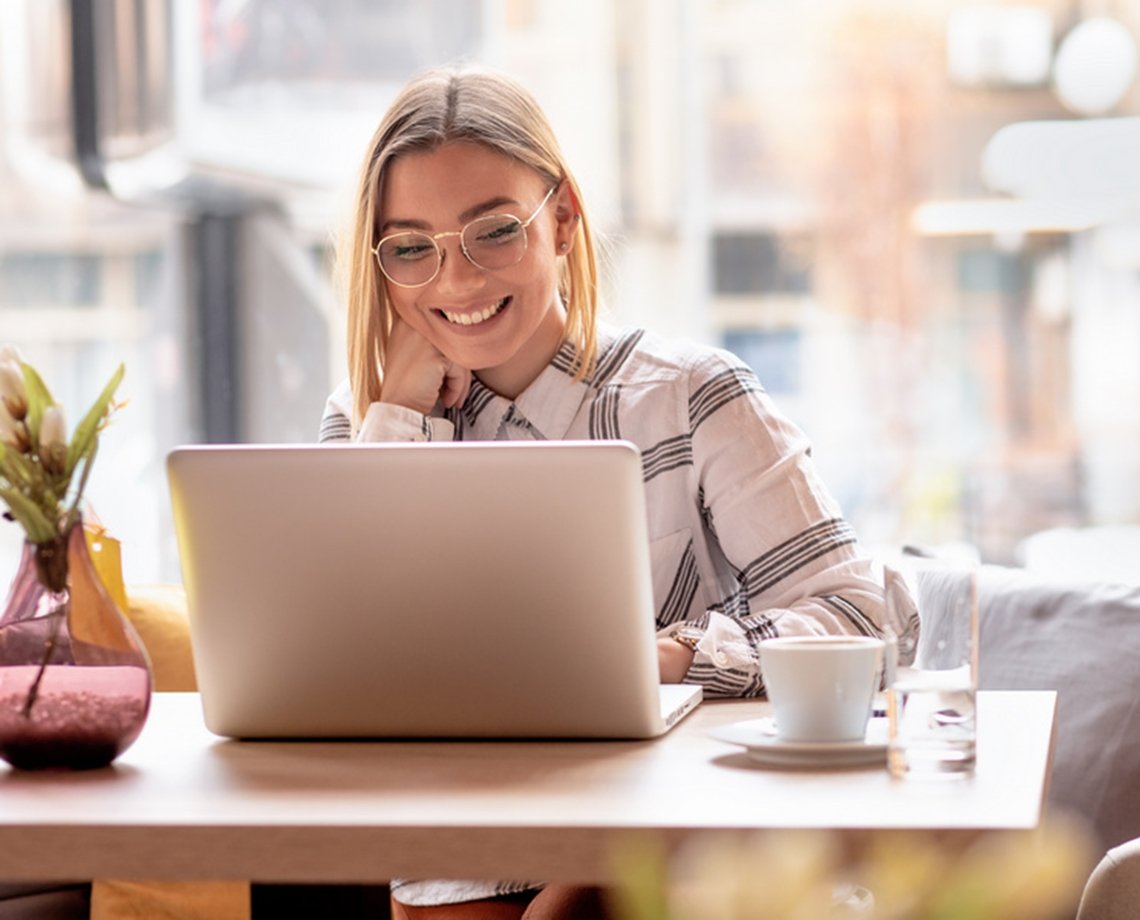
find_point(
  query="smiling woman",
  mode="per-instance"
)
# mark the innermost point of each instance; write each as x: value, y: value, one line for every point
x: 448, y: 158
x: 472, y: 309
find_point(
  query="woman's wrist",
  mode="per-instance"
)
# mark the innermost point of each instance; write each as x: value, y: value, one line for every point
x: 674, y: 659
x: 391, y: 422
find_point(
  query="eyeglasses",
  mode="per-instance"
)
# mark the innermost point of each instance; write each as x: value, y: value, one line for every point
x: 412, y: 259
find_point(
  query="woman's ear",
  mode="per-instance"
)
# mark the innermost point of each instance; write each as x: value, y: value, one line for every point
x: 567, y: 217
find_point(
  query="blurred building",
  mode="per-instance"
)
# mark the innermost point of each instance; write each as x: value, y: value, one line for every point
x: 800, y: 182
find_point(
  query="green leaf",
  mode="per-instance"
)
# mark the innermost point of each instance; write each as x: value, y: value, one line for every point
x: 83, y: 439
x: 88, y: 462
x: 39, y: 398
x: 31, y: 517
x: 15, y: 467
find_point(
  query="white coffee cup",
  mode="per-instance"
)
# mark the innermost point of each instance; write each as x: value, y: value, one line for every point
x: 821, y: 687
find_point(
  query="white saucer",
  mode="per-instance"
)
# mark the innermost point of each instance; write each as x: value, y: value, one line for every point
x: 758, y: 736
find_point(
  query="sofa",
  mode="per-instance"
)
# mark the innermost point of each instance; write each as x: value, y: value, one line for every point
x: 1083, y: 640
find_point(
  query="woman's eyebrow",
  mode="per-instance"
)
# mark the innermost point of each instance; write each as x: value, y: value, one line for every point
x: 482, y: 207
x: 398, y: 224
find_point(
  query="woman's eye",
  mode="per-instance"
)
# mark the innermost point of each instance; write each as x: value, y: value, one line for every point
x: 499, y: 232
x: 409, y: 252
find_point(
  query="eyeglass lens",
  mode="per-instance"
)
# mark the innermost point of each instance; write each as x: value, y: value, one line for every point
x: 492, y: 242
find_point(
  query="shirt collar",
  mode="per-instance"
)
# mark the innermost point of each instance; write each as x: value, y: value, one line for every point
x: 549, y: 405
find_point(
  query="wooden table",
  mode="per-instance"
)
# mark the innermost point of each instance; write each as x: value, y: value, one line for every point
x: 185, y: 804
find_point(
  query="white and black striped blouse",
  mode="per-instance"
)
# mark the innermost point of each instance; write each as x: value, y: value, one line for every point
x: 746, y: 542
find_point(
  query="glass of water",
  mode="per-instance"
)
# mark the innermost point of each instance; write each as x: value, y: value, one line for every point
x: 931, y: 699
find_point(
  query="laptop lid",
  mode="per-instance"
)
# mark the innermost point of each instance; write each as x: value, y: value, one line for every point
x: 420, y: 590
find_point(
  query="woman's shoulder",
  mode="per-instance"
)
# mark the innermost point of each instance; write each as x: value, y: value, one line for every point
x: 340, y: 400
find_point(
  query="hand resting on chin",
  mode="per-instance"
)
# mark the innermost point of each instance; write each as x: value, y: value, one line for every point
x: 417, y: 375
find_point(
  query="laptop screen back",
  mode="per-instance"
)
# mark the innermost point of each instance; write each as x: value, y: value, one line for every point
x: 419, y: 590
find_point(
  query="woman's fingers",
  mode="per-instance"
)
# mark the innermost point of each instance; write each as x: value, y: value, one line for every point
x: 456, y: 385
x: 417, y: 375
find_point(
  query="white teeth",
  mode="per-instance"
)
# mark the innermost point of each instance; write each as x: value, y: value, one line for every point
x: 473, y: 319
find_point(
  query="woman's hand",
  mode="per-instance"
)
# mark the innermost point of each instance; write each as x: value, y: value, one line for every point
x: 674, y: 660
x: 417, y: 375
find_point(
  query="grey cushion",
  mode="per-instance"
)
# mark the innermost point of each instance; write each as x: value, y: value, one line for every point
x: 1082, y: 640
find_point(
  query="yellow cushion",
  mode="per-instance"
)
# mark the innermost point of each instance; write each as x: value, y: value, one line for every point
x: 116, y: 900
x: 158, y: 614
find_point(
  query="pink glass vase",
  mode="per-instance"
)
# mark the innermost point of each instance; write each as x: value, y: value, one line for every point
x: 75, y: 681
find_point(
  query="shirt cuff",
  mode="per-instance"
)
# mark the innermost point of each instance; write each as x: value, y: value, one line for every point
x: 389, y: 422
x: 724, y: 645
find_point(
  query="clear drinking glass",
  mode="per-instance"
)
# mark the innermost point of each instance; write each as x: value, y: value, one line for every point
x: 931, y: 699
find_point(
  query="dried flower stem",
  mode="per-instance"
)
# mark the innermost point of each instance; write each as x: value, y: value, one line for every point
x: 52, y: 568
x: 57, y: 616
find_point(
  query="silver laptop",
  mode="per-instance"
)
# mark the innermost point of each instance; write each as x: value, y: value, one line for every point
x: 460, y: 590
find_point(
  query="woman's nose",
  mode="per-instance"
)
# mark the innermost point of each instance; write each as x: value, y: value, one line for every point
x: 456, y: 271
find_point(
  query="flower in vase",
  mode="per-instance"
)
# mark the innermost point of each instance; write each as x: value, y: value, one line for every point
x: 43, y: 473
x: 13, y: 393
x: 74, y: 677
x: 53, y: 440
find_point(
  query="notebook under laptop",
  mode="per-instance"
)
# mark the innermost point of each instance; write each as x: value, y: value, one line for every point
x: 479, y: 590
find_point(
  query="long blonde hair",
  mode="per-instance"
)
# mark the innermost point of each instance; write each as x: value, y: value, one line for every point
x: 437, y: 107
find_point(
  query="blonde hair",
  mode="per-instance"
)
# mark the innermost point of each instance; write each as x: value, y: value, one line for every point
x: 435, y: 108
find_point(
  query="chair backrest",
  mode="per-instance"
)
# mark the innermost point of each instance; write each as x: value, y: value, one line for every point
x: 1113, y: 889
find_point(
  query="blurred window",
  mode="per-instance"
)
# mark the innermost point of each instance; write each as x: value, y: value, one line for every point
x: 40, y: 279
x: 773, y: 353
x: 986, y: 271
x: 757, y: 263
x: 342, y: 41
x: 755, y: 169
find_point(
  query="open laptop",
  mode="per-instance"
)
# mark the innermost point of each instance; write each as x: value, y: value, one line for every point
x: 458, y: 590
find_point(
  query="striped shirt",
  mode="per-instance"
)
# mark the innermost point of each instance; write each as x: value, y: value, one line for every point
x: 746, y: 543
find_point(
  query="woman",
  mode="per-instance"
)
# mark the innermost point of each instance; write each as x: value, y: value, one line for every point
x: 472, y: 315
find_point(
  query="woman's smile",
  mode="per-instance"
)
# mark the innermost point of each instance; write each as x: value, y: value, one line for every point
x: 474, y: 316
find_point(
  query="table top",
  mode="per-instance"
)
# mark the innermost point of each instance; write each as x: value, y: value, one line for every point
x: 182, y: 803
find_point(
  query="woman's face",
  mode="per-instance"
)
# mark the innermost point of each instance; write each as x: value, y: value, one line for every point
x: 505, y: 324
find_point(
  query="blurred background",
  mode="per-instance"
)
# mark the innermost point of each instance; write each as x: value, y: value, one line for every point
x: 919, y: 220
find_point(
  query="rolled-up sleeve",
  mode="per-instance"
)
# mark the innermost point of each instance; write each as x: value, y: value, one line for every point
x: 795, y: 563
x: 382, y: 422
